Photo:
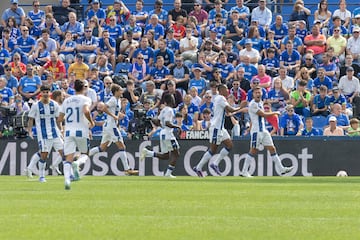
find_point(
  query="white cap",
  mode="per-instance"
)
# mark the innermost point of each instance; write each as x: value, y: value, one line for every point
x: 332, y: 119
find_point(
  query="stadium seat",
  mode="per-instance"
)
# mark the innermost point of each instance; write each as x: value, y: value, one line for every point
x: 319, y: 122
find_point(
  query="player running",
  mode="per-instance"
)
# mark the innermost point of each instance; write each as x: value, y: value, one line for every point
x: 260, y: 136
x: 111, y: 132
x: 76, y: 113
x: 168, y: 143
x: 217, y: 133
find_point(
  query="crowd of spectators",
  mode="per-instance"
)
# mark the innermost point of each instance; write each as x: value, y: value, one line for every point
x: 308, y: 70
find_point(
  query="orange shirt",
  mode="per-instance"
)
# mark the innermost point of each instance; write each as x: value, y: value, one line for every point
x: 15, y: 70
x: 179, y: 32
x: 316, y: 49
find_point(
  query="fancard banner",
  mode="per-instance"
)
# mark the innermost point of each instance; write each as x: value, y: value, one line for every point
x: 310, y: 157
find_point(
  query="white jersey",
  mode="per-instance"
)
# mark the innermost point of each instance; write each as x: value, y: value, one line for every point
x: 76, y: 124
x: 217, y: 121
x: 257, y: 122
x: 166, y: 114
x: 45, y: 119
x: 114, y: 106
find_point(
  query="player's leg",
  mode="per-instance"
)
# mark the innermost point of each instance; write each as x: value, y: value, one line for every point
x: 174, y: 154
x: 46, y: 146
x: 69, y: 150
x: 277, y: 161
x: 58, y: 146
x: 33, y: 161
x: 254, y: 141
x: 124, y: 160
x: 42, y: 166
x: 223, y: 153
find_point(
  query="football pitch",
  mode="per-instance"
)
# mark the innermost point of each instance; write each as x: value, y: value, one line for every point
x: 182, y: 208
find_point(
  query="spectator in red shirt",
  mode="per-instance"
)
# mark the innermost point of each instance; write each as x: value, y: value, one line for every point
x: 55, y: 66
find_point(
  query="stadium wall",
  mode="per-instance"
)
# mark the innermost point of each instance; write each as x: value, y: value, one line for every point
x: 310, y: 157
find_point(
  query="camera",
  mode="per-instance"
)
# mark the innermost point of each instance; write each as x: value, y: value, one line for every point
x: 18, y: 122
x: 142, y: 122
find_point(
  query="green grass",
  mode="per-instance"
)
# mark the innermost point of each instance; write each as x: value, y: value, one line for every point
x: 182, y: 208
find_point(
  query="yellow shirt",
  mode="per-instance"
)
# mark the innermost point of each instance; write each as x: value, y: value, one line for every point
x: 337, y: 44
x: 80, y: 70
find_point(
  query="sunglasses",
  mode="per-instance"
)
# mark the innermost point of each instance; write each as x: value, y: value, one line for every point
x: 196, y: 5
x: 111, y: 20
x: 336, y: 30
x: 309, y: 59
x: 88, y: 31
x: 208, y: 97
x: 140, y: 58
x: 37, y: 5
x: 108, y: 83
x: 8, y: 69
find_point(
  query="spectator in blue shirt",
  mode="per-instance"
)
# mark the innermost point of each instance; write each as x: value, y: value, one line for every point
x: 290, y: 123
x: 141, y: 16
x: 87, y: 45
x: 159, y: 74
x: 12, y: 82
x: 5, y: 92
x: 37, y: 15
x: 74, y: 26
x: 97, y: 11
x: 156, y: 26
x: 198, y: 81
x: 279, y: 28
x: 29, y: 85
x: 14, y: 11
x: 161, y: 13
x: 322, y: 80
x: 309, y: 130
x: 107, y: 46
x: 320, y: 103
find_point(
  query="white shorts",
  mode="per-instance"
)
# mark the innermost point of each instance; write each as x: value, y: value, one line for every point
x: 217, y: 136
x: 260, y: 138
x: 168, y: 145
x: 71, y: 142
x: 45, y: 145
x: 111, y: 135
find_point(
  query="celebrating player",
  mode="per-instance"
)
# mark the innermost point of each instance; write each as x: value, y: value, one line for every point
x: 260, y: 136
x: 217, y: 133
x: 111, y: 132
x: 168, y: 143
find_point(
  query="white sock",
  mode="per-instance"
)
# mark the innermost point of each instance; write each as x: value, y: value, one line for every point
x: 277, y: 161
x: 34, y: 159
x: 58, y: 160
x: 205, y: 158
x: 124, y: 160
x: 82, y: 159
x: 67, y: 172
x: 42, y: 165
x: 94, y: 150
x: 223, y: 153
x: 169, y: 170
x: 247, y: 162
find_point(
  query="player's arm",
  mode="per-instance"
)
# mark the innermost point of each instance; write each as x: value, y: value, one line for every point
x: 261, y: 113
x: 230, y: 109
x: 30, y: 126
x: 106, y: 110
x: 87, y: 114
x: 171, y: 125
